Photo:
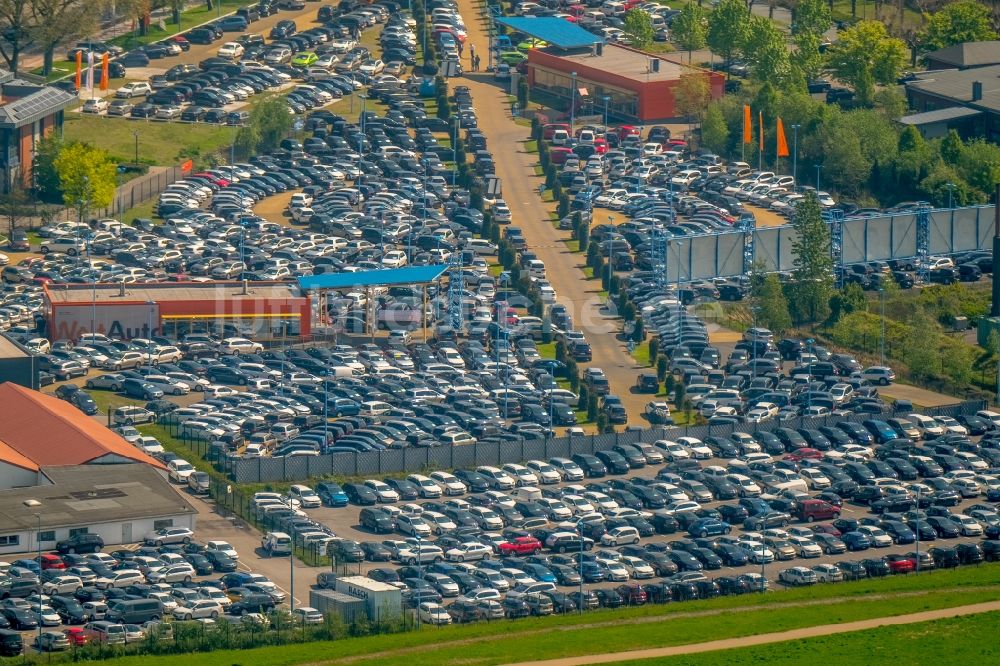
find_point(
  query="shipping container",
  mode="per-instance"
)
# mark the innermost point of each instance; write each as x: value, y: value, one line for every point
x: 382, y: 602
x: 343, y: 606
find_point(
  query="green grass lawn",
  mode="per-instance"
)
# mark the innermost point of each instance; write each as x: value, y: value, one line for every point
x: 572, y: 245
x: 108, y: 401
x: 641, y: 354
x: 531, y: 146
x: 165, y: 144
x: 963, y: 640
x: 636, y: 628
x: 547, y: 350
x: 189, y: 19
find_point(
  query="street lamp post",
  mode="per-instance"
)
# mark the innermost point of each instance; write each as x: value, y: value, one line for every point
x: 795, y: 154
x: 818, y: 167
x: 580, y: 564
x: 36, y: 505
x: 607, y: 98
x: 611, y: 259
x: 135, y: 134
x: 572, y: 105
x: 361, y: 139
x: 454, y: 152
x: 149, y: 344
x: 951, y: 193
x: 291, y: 565
x: 881, y: 295
x: 916, y: 533
x: 809, y: 346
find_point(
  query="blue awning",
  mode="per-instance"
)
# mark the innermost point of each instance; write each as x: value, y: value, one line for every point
x: 388, y: 277
x: 558, y: 32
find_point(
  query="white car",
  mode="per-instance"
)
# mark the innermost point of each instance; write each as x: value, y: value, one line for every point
x: 545, y: 472
x: 199, y: 609
x: 637, y: 569
x: 420, y: 554
x: 233, y: 50
x: 307, y: 615
x: 169, y: 535
x: 413, y: 526
x: 620, y: 536
x: 798, y: 576
x: 62, y: 585
x: 469, y: 552
x: 385, y: 493
x: 806, y: 547
x: 432, y: 613
x: 179, y: 470
x: 968, y: 526
x: 828, y: 573
x: 428, y: 488
x: 449, y: 483
x: 240, y: 346
x: 134, y: 89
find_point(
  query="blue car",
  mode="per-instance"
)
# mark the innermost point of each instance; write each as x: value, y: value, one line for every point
x: 343, y: 407
x: 31, y: 565
x: 880, y: 430
x: 856, y: 541
x: 539, y: 573
x: 331, y: 494
x: 706, y: 527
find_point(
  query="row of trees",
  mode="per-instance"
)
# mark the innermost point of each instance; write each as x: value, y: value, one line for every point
x: 863, y: 153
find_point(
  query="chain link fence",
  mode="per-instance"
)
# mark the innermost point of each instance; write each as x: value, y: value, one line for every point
x: 140, y: 190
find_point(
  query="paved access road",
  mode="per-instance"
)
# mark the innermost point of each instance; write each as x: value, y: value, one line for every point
x: 515, y: 167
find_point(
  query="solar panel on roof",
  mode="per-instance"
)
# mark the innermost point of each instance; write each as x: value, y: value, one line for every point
x: 556, y: 31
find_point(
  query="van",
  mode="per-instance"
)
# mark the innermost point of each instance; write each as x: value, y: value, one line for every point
x: 276, y: 544
x: 135, y: 611
x: 811, y: 510
x: 11, y: 644
x: 536, y: 269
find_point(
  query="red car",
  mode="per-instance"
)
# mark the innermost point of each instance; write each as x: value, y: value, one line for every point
x: 804, y: 454
x: 76, y: 635
x: 601, y: 146
x: 901, y: 563
x: 51, y: 561
x: 633, y: 595
x: 525, y: 545
x: 826, y: 528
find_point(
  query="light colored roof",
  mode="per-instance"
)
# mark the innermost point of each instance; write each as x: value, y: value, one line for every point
x: 91, y: 494
x: 10, y: 349
x: 45, y: 430
x: 969, y: 54
x: 623, y: 61
x: 939, y: 115
x: 141, y: 292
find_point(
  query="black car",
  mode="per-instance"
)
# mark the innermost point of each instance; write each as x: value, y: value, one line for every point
x: 591, y: 465
x: 945, y: 558
x: 358, y: 493
x: 221, y: 562
x: 252, y: 603
x: 80, y: 543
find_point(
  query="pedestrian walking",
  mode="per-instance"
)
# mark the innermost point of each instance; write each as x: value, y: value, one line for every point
x: 472, y: 56
x: 478, y: 60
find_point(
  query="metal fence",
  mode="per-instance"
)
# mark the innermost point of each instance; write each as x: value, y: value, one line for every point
x: 392, y: 461
x: 140, y: 190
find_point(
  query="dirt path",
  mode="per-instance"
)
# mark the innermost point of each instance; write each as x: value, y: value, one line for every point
x: 776, y: 637
x: 387, y: 655
x: 515, y: 167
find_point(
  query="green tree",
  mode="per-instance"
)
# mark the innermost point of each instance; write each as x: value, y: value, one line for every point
x: 807, y: 60
x: 689, y: 30
x: 692, y: 95
x: 914, y: 161
x: 812, y: 277
x: 714, y: 130
x: 811, y: 16
x: 866, y: 55
x: 270, y: 122
x: 838, y: 148
x: 952, y: 147
x: 639, y: 28
x: 980, y: 165
x: 44, y: 171
x: 769, y: 302
x: 87, y: 175
x: 958, y: 22
x: 728, y: 28
x: 944, y: 185
x: 766, y: 52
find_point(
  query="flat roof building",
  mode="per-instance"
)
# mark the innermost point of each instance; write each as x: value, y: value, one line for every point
x: 976, y: 89
x: 640, y: 86
x: 260, y: 309
x: 121, y: 503
x: 17, y: 364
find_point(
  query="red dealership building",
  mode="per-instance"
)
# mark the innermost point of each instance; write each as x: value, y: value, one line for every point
x: 261, y: 309
x: 639, y: 86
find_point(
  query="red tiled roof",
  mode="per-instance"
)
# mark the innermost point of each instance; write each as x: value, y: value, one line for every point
x: 43, y: 430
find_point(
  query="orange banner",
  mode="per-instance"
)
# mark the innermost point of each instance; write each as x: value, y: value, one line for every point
x: 760, y: 124
x: 782, y: 142
x: 747, y: 125
x: 104, y: 71
x: 79, y: 69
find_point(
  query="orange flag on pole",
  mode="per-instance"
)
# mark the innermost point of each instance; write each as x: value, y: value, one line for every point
x: 782, y: 142
x: 104, y: 72
x: 747, y: 125
x: 79, y: 68
x: 760, y: 124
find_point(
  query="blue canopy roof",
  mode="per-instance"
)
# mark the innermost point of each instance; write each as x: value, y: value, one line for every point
x: 381, y: 278
x: 556, y: 31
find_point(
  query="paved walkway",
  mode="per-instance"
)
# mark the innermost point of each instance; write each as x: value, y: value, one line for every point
x: 763, y: 639
x: 515, y: 167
